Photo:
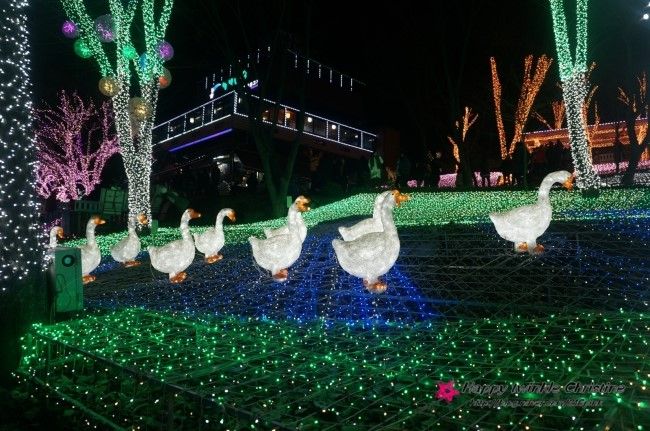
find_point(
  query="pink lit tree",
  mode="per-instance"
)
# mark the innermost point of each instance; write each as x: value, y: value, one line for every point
x: 74, y: 141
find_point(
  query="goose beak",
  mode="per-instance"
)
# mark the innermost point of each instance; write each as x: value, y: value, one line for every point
x: 99, y: 220
x: 59, y: 233
x: 303, y: 204
x: 142, y: 219
x: 232, y: 216
x: 568, y: 184
x: 194, y: 214
x: 400, y: 197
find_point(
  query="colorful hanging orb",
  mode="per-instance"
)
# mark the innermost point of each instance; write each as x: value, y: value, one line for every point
x: 129, y: 52
x: 139, y: 109
x: 82, y: 49
x: 165, y: 79
x: 143, y: 61
x: 105, y: 28
x: 70, y: 30
x: 109, y: 86
x: 165, y: 50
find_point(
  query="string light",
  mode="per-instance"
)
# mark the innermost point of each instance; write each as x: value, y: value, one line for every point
x: 468, y: 119
x: 636, y: 106
x: 529, y: 89
x: 496, y: 93
x: 74, y: 140
x: 250, y: 373
x: 134, y: 116
x: 20, y: 252
x: 574, y: 88
x: 531, y: 84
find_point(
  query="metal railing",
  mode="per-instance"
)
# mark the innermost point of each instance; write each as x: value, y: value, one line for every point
x: 285, y: 116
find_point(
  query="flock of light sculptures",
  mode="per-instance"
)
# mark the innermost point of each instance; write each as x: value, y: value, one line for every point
x: 367, y: 250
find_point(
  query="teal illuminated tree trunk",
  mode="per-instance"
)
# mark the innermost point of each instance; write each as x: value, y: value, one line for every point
x: 573, y: 74
x: 134, y: 113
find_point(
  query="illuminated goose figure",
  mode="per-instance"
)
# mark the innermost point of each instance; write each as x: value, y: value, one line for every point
x: 372, y: 255
x: 128, y: 248
x: 55, y: 233
x: 368, y: 225
x: 173, y: 258
x: 212, y: 240
x: 523, y: 225
x: 90, y: 254
x: 297, y: 218
x: 279, y: 252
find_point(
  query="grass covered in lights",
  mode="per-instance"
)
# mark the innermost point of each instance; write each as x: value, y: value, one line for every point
x: 262, y: 374
x: 430, y: 209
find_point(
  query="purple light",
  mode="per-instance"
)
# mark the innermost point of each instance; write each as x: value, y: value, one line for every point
x: 105, y: 28
x: 165, y: 50
x: 198, y: 141
x: 70, y: 30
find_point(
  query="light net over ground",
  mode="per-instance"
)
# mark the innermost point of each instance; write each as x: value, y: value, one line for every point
x: 230, y: 349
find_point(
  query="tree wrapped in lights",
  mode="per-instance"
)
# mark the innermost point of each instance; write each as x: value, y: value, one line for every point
x: 559, y: 115
x: 134, y: 116
x: 461, y: 146
x: 573, y: 71
x: 20, y: 252
x: 75, y: 140
x: 636, y: 105
x: 530, y: 86
x: 589, y: 115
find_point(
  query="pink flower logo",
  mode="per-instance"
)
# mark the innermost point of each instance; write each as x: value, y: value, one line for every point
x: 446, y: 391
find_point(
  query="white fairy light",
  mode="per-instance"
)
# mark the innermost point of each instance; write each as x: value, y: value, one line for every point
x: 20, y: 252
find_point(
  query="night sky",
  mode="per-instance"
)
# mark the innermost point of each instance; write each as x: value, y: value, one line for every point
x: 422, y: 61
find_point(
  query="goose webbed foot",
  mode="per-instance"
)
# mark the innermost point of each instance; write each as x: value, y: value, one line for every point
x: 178, y: 278
x: 522, y: 247
x: 214, y: 258
x: 377, y: 287
x: 281, y: 275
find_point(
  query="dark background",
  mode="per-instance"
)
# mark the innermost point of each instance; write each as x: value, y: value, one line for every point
x: 422, y: 61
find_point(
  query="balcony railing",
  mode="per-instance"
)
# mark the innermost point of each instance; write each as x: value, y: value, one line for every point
x: 286, y: 116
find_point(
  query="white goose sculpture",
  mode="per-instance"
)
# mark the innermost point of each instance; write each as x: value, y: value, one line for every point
x: 128, y: 248
x: 372, y: 255
x: 173, y: 258
x: 279, y: 252
x: 523, y: 225
x: 90, y: 253
x: 56, y: 233
x: 296, y: 216
x: 212, y: 240
x: 368, y: 225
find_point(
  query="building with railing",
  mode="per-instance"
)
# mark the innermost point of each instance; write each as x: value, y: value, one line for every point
x: 292, y: 96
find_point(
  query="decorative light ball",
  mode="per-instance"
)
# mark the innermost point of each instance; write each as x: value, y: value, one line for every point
x: 143, y: 61
x: 129, y: 52
x: 105, y: 28
x: 70, y: 30
x: 82, y: 49
x: 109, y: 86
x: 165, y: 50
x: 139, y: 109
x: 165, y: 79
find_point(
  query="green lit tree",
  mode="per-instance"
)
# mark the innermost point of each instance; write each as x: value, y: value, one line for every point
x: 573, y: 74
x: 115, y: 34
